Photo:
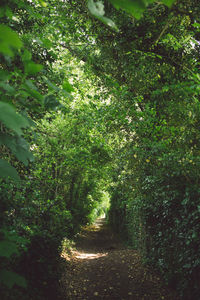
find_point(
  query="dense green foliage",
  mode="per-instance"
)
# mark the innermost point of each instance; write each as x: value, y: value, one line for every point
x: 53, y: 173
x: 99, y: 100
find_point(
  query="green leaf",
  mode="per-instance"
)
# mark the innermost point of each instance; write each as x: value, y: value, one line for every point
x: 129, y: 5
x: 11, y: 119
x: 43, y: 3
x: 32, y: 68
x: 51, y: 86
x: 32, y: 90
x: 7, y: 248
x: 5, y: 11
x: 67, y: 86
x: 47, y: 43
x: 8, y: 88
x: 9, y: 41
x: 6, y: 170
x: 197, y: 26
x: 136, y: 7
x: 26, y: 56
x: 14, y: 237
x: 97, y: 10
x: 2, y: 12
x: 50, y: 102
x: 168, y: 2
x: 8, y: 12
x: 4, y: 75
x: 18, y: 146
x: 9, y: 279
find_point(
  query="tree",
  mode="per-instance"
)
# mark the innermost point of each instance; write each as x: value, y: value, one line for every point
x: 114, y: 104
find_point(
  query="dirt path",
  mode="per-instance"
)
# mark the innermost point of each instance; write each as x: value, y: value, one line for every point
x: 101, y: 268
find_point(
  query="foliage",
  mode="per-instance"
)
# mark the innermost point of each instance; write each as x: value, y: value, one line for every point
x: 89, y: 114
x: 20, y: 100
x: 135, y: 8
x: 49, y: 199
x: 151, y: 75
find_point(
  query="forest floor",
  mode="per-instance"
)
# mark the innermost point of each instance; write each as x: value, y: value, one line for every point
x: 101, y: 267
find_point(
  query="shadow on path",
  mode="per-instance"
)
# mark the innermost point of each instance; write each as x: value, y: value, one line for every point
x: 101, y: 268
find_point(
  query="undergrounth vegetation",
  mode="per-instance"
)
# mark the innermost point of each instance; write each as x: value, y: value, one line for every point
x: 99, y: 116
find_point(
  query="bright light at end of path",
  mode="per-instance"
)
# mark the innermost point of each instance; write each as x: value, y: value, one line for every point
x: 90, y: 255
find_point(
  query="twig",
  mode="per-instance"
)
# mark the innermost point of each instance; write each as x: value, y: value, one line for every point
x: 164, y: 29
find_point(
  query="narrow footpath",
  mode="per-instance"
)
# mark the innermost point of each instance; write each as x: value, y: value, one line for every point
x: 102, y: 268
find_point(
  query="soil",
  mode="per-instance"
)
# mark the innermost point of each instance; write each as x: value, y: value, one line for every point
x: 101, y: 267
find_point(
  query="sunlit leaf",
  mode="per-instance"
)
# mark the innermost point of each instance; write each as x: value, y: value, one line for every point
x: 196, y: 25
x: 32, y: 68
x: 67, y: 86
x: 168, y: 2
x: 9, y: 41
x: 43, y: 3
x: 47, y: 43
x: 136, y: 7
x: 97, y: 10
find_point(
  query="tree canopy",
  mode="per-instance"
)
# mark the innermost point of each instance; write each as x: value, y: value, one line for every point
x: 99, y: 113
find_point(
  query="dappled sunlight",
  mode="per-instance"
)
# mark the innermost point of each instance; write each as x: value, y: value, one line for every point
x: 96, y: 226
x: 74, y: 254
x: 99, y: 267
x: 83, y: 255
x: 90, y: 255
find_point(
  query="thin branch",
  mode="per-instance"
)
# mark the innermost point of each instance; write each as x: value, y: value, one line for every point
x: 164, y: 29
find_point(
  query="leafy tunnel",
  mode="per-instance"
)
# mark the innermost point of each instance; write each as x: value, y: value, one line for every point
x: 99, y: 116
